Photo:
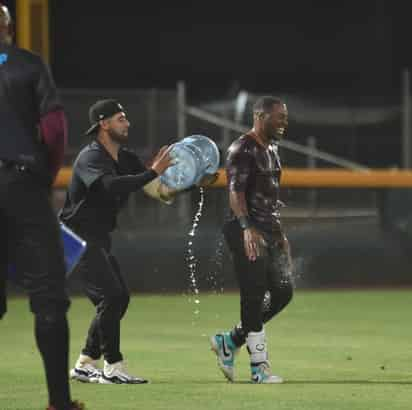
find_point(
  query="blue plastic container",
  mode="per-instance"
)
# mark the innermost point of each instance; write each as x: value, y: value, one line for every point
x: 195, y: 156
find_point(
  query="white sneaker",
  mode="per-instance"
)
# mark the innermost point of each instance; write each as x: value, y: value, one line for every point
x: 116, y: 373
x: 86, y: 370
x: 262, y: 373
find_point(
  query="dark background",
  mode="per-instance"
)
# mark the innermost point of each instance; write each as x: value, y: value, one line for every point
x: 337, y: 48
x: 329, y: 47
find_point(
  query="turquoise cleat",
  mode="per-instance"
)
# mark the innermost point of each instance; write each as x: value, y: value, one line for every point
x: 222, y: 344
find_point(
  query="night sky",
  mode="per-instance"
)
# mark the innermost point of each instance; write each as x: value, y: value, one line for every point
x: 296, y: 46
x: 319, y: 47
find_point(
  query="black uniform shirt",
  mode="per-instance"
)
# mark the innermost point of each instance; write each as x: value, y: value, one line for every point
x: 90, y: 209
x: 27, y: 92
x: 256, y: 171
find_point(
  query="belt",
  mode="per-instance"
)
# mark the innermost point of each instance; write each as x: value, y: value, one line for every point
x: 5, y: 164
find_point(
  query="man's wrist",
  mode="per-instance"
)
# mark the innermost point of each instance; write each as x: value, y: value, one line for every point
x: 244, y: 222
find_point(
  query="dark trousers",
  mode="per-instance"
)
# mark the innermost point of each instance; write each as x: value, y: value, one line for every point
x: 105, y: 287
x: 31, y: 242
x: 265, y: 284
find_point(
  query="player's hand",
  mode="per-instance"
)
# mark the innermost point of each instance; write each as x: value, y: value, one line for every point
x: 254, y: 243
x: 208, y: 179
x: 162, y: 160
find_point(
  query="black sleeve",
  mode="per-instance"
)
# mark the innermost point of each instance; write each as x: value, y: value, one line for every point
x: 127, y: 183
x: 131, y: 163
x: 92, y: 165
x: 45, y: 90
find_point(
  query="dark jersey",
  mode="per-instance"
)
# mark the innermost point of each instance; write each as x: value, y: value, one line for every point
x: 256, y: 171
x: 89, y: 208
x: 27, y: 92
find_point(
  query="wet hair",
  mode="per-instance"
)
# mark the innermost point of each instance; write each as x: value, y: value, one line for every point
x: 265, y: 104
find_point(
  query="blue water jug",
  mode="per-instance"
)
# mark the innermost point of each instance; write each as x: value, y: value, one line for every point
x: 194, y: 157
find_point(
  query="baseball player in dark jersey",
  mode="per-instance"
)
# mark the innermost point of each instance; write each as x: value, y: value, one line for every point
x: 260, y: 249
x: 32, y: 142
x: 104, y: 175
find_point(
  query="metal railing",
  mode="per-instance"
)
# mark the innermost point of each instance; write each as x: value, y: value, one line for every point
x: 184, y: 110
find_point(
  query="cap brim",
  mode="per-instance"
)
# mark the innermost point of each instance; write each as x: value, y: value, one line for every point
x: 92, y: 129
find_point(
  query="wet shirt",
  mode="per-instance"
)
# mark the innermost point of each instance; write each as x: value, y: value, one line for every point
x: 27, y: 92
x: 256, y: 171
x: 89, y: 208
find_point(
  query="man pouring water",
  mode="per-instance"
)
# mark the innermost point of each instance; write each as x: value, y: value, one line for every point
x: 105, y: 173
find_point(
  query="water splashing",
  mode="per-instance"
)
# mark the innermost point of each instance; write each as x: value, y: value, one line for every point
x: 192, y: 260
x: 215, y: 277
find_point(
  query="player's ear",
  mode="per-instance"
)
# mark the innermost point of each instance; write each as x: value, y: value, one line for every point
x: 104, y: 124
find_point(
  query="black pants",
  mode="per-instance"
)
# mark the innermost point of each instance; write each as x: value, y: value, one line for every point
x: 31, y: 242
x: 105, y: 287
x: 265, y: 284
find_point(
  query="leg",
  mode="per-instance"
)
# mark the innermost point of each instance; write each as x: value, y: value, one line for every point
x: 3, y: 268
x: 278, y: 295
x: 280, y: 286
x: 251, y: 279
x: 3, y: 297
x: 105, y: 287
x: 279, y: 291
x: 253, y: 282
x: 38, y: 253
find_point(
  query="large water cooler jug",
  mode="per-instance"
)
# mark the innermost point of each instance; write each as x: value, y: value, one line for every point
x: 195, y: 156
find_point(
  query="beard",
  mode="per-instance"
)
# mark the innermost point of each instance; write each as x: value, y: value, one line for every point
x: 117, y: 137
x: 275, y: 134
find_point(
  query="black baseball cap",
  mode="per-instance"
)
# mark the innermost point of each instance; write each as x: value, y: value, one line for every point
x: 101, y: 110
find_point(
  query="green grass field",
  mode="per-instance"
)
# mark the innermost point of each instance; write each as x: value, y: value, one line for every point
x: 336, y: 350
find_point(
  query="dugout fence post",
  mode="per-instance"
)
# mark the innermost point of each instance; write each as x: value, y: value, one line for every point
x: 406, y: 120
x: 311, y: 164
x: 181, y: 109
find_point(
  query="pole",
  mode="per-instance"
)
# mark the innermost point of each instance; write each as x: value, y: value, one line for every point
x: 23, y: 32
x: 181, y: 109
x: 406, y: 120
x: 312, y: 194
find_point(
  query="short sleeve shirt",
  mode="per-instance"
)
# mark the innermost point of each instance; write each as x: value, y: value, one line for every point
x: 89, y: 208
x: 256, y: 171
